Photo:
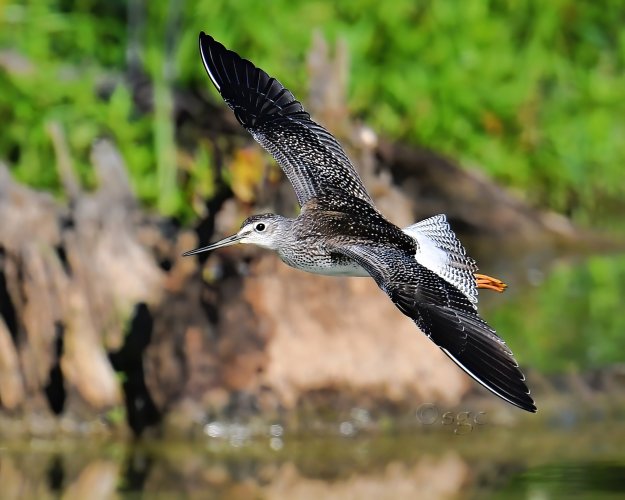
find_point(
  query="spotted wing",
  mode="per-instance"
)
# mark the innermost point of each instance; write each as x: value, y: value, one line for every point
x: 310, y: 156
x: 447, y: 317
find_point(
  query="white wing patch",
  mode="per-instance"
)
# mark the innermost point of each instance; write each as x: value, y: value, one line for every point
x: 439, y: 250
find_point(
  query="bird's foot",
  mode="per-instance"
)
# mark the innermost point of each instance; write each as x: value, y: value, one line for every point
x: 484, y: 281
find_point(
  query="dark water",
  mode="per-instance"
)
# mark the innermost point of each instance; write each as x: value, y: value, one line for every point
x: 491, y: 461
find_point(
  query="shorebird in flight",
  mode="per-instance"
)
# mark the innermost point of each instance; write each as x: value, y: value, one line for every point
x: 423, y: 268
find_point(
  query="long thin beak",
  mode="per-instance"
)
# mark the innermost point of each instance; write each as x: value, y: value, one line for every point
x: 230, y: 240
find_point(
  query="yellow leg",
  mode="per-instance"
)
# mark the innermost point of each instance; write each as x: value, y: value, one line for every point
x: 484, y: 281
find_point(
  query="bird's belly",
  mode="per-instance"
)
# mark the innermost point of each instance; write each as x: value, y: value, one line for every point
x: 325, y: 265
x: 337, y: 270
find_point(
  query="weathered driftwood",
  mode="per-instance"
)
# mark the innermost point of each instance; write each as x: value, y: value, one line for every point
x: 11, y: 382
x: 73, y: 276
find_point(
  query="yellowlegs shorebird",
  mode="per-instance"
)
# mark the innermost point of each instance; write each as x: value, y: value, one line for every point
x: 423, y: 268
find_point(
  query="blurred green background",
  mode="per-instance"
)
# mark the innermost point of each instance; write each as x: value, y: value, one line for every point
x: 532, y: 93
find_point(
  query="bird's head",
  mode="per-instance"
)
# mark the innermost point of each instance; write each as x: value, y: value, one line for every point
x: 266, y: 230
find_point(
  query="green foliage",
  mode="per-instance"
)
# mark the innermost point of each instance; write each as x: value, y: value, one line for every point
x: 116, y: 416
x: 532, y: 92
x: 571, y: 319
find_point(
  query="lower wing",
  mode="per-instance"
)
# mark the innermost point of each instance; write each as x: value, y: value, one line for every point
x: 447, y: 317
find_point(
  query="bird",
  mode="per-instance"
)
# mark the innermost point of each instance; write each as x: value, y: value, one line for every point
x: 424, y: 269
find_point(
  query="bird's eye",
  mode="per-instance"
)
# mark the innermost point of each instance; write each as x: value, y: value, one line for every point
x: 260, y: 227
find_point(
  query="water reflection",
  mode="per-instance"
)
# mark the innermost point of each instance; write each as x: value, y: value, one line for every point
x: 430, y: 477
x: 105, y: 478
x: 584, y: 479
x: 521, y: 462
x: 32, y: 476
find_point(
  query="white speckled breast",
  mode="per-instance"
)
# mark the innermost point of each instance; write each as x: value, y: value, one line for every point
x: 320, y: 262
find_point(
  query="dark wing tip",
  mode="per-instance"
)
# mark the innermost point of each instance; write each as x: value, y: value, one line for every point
x: 447, y: 317
x: 253, y: 95
x: 476, y: 348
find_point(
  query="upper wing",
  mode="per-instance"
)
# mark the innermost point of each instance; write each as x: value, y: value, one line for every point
x: 310, y: 156
x: 447, y: 317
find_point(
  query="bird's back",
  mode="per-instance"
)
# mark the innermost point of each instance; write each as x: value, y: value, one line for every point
x: 334, y: 219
